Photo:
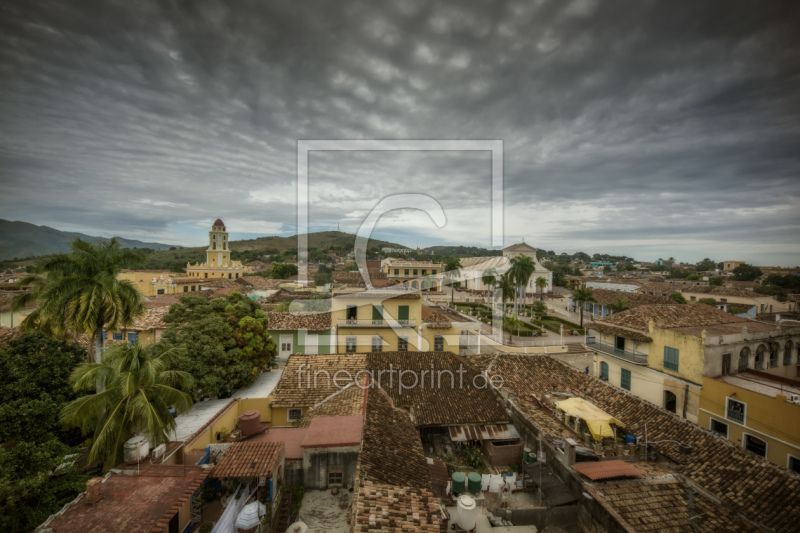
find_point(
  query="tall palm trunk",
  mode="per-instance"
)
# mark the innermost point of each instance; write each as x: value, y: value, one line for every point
x: 98, y: 346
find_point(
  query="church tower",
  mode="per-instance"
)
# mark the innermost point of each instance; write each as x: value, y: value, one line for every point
x: 218, y: 254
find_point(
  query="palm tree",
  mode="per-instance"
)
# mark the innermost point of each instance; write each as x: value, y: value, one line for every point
x: 506, y: 286
x: 79, y: 292
x: 452, y: 271
x: 618, y: 306
x: 523, y: 268
x: 581, y: 296
x: 489, y: 278
x: 140, y: 387
x: 541, y: 284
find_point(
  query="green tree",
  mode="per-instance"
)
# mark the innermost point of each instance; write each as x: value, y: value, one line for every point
x: 489, y: 278
x: 323, y: 278
x: 80, y: 293
x: 745, y: 272
x: 716, y: 281
x: 618, y: 306
x: 206, y: 332
x: 606, y: 269
x: 452, y: 270
x: 31, y: 489
x: 539, y: 309
x: 255, y: 343
x: 522, y: 268
x: 35, y: 386
x: 706, y: 264
x: 141, y: 384
x: 708, y: 301
x: 541, y: 284
x: 506, y: 286
x: 581, y: 296
x: 677, y: 298
x: 283, y: 270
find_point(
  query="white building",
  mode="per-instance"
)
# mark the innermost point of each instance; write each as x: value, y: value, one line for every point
x: 473, y: 268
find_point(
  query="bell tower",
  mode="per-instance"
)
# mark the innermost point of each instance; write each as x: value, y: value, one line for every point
x: 218, y: 254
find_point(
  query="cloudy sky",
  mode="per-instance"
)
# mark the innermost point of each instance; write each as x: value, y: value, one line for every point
x: 646, y: 128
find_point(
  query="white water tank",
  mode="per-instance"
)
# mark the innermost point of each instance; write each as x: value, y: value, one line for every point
x: 297, y: 527
x: 465, y: 517
x: 136, y: 448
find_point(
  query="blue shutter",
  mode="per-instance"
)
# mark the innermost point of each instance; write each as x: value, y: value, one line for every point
x: 625, y: 379
x: 671, y: 356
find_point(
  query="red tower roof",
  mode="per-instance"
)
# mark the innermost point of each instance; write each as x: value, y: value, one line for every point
x: 219, y: 222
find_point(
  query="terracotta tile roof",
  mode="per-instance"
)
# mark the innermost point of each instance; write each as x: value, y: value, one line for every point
x: 219, y: 293
x: 608, y: 469
x: 291, y: 438
x: 294, y: 321
x: 8, y: 334
x: 391, y: 451
x: 160, y: 492
x: 739, y: 478
x: 152, y: 319
x: 659, y: 287
x: 393, y: 509
x: 519, y: 247
x: 722, y: 291
x: 619, y: 332
x: 381, y: 295
x: 632, y: 299
x: 221, y: 283
x: 663, y: 506
x: 292, y: 391
x: 248, y: 460
x: 259, y: 282
x: 455, y: 401
x: 669, y: 316
x: 165, y: 300
x: 349, y: 402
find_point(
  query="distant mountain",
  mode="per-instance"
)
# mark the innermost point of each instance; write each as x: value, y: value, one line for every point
x: 21, y: 239
x: 461, y: 251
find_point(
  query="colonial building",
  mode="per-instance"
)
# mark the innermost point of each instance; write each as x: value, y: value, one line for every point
x: 218, y: 257
x: 418, y: 275
x: 471, y: 273
x: 158, y: 282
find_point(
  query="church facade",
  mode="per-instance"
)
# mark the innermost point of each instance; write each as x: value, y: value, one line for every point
x: 218, y: 262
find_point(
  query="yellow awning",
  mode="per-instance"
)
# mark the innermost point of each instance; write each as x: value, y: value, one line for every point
x: 598, y: 421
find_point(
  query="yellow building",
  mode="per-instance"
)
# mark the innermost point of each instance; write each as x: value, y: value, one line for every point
x: 730, y: 266
x: 758, y: 412
x: 157, y: 282
x: 420, y: 275
x: 664, y: 353
x: 385, y: 320
x: 145, y: 330
x: 218, y: 257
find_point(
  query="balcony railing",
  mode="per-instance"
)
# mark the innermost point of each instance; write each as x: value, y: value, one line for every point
x: 627, y: 355
x: 736, y: 416
x: 353, y: 323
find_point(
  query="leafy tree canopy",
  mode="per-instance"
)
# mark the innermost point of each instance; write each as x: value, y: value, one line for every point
x: 283, y: 270
x: 677, y: 298
x: 706, y: 264
x: 210, y: 333
x: 35, y: 386
x: 716, y: 281
x: 746, y: 272
x: 708, y: 301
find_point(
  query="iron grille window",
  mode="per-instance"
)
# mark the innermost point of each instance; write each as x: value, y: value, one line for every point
x: 377, y: 343
x: 350, y: 345
x: 438, y: 343
x: 402, y: 344
x: 671, y: 358
x: 335, y: 478
x: 625, y: 379
x: 773, y: 357
x: 604, y: 370
x: 719, y: 427
x: 293, y: 415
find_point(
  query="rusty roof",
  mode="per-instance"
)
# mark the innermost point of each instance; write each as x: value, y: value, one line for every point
x: 608, y: 469
x: 249, y: 459
x: 632, y: 299
x: 137, y: 504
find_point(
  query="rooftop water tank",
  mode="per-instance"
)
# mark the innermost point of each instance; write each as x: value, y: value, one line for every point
x: 474, y: 480
x: 465, y: 517
x: 250, y: 422
x: 135, y: 449
x: 459, y: 482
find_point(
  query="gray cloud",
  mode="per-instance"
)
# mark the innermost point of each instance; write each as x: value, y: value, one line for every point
x: 671, y: 126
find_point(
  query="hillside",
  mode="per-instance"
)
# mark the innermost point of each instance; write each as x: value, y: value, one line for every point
x: 21, y: 239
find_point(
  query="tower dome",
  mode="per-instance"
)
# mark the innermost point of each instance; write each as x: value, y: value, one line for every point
x: 219, y: 222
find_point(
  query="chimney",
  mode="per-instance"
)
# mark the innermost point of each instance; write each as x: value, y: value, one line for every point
x: 570, y: 449
x: 93, y: 490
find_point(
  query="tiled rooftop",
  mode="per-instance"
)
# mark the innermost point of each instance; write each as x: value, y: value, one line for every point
x: 455, y: 401
x: 296, y: 387
x: 348, y: 402
x: 608, y: 469
x: 670, y: 316
x: 249, y: 460
x: 392, y: 509
x: 762, y: 491
x: 632, y: 299
x: 294, y: 321
x: 134, y: 504
x: 258, y: 282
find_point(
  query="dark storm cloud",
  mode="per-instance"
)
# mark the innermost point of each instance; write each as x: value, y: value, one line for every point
x: 622, y: 121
